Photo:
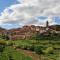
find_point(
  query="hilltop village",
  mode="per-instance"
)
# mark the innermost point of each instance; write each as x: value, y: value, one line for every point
x: 27, y: 32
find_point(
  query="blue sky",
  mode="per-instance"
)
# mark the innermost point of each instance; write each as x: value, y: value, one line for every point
x: 4, y: 4
x: 57, y: 19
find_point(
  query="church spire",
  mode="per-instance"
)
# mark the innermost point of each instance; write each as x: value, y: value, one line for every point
x: 47, y: 24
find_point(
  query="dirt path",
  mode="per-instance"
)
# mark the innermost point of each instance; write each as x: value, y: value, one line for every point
x: 33, y: 55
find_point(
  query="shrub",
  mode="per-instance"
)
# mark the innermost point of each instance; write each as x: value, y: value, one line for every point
x: 49, y: 50
x: 1, y: 48
x: 26, y: 47
x: 2, y: 45
x: 23, y: 47
x: 32, y: 47
x: 16, y: 46
x: 38, y: 50
x: 2, y: 42
x: 9, y: 43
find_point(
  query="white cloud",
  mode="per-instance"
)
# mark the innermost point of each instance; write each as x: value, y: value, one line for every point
x: 27, y: 11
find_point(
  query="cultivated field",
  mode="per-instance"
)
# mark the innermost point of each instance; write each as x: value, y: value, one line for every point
x: 28, y: 49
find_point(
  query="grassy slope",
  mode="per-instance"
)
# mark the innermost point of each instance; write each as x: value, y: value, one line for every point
x: 45, y: 43
x: 15, y: 55
x: 11, y: 54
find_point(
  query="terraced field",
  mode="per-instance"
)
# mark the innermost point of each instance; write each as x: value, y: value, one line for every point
x: 10, y: 54
x: 46, y: 46
x: 30, y: 50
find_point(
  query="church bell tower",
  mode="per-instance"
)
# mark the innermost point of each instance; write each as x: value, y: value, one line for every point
x: 47, y: 24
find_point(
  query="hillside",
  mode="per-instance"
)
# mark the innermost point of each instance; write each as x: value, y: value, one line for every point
x: 26, y: 32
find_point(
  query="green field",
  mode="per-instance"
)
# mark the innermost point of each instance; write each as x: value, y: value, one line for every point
x: 48, y: 49
x: 10, y: 54
x: 44, y: 45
